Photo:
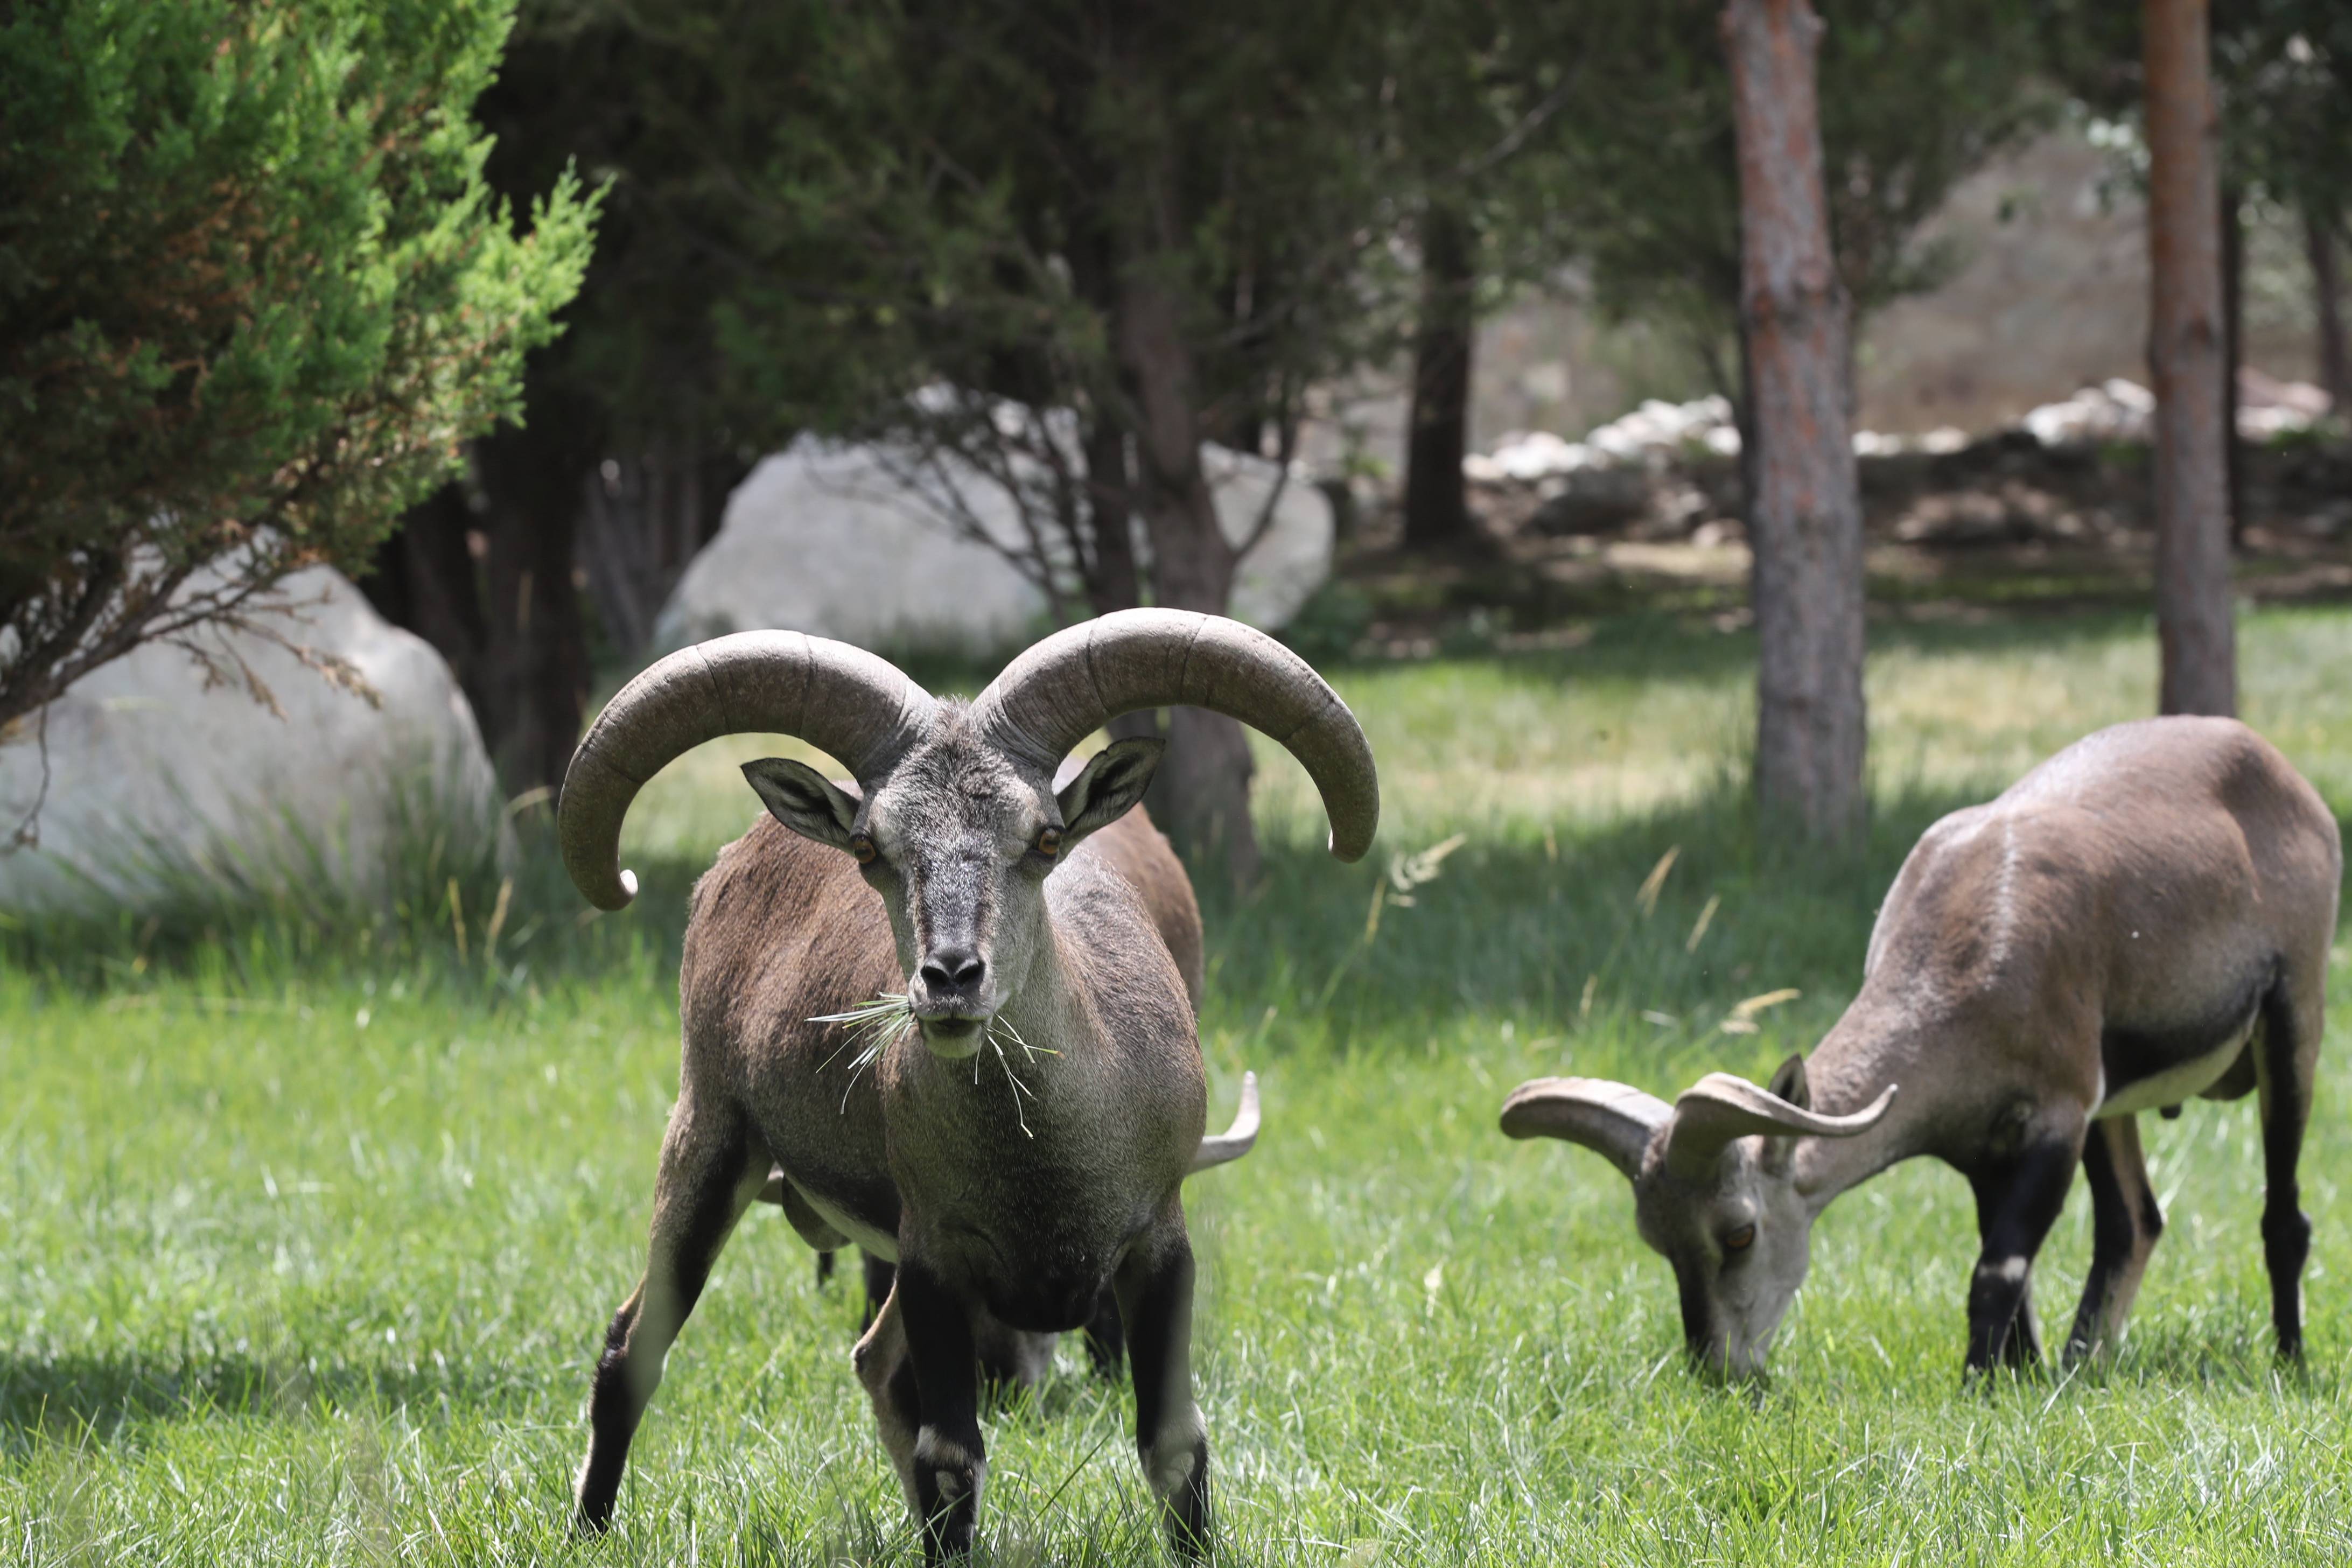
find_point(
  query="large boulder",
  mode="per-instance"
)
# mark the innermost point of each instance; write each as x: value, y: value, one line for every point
x: 860, y: 542
x: 156, y: 771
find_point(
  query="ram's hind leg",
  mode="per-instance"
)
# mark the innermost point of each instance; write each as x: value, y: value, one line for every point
x: 1106, y: 1337
x: 880, y: 1277
x: 2286, y: 1061
x: 706, y: 1181
x: 2124, y: 1223
x: 887, y: 1373
x: 1155, y: 1298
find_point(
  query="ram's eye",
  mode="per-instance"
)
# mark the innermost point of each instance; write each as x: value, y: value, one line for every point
x: 862, y: 847
x: 1740, y: 1240
x: 1049, y: 842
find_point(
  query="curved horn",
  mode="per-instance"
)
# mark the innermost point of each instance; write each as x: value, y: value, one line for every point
x: 839, y: 698
x: 1236, y: 1141
x: 1071, y: 684
x: 1721, y: 1107
x: 1613, y: 1118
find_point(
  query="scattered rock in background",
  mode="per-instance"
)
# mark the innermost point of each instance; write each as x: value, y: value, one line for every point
x: 2121, y: 410
x: 861, y: 541
x: 2070, y: 472
x: 2114, y: 410
x: 848, y: 541
x: 1293, y: 558
x: 152, y: 769
x: 2269, y: 407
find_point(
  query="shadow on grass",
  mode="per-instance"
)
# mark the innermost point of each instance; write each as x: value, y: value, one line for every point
x: 2213, y: 1352
x: 1658, y: 644
x: 1554, y: 930
x: 1549, y: 927
x: 106, y: 1396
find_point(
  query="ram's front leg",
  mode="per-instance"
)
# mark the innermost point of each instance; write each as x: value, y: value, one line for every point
x: 1155, y: 1299
x: 950, y: 1464
x: 2018, y: 1201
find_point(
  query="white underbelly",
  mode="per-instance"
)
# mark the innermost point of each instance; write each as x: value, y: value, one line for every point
x: 880, y: 1243
x: 2174, y: 1084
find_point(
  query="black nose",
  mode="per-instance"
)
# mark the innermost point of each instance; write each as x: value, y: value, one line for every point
x: 954, y: 969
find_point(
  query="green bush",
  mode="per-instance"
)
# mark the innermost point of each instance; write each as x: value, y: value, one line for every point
x: 254, y: 295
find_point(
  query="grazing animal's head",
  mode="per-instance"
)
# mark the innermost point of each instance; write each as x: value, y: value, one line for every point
x: 1715, y: 1189
x: 954, y: 819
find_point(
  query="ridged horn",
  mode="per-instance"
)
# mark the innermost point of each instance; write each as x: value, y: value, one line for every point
x: 842, y: 700
x: 1072, y: 683
x: 1236, y: 1141
x: 1615, y: 1119
x: 1721, y: 1107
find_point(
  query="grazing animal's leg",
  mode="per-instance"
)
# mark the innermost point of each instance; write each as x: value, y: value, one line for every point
x: 706, y: 1183
x: 950, y: 1464
x: 824, y: 1276
x: 889, y: 1375
x: 1155, y: 1298
x: 2016, y: 1203
x: 1106, y: 1336
x: 2124, y: 1223
x: 1010, y: 1359
x: 2021, y: 1351
x: 880, y: 1276
x: 2284, y: 1065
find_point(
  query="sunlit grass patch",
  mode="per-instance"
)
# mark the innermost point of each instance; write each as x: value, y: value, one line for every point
x: 310, y: 1247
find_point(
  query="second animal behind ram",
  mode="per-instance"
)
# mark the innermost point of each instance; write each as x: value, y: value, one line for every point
x: 2143, y: 918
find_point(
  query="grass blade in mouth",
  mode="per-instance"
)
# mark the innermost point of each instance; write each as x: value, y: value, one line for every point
x: 873, y: 1027
x: 999, y: 1027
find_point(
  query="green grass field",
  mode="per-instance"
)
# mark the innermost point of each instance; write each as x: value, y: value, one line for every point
x: 309, y: 1236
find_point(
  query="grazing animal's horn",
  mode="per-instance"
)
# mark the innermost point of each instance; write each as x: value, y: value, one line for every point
x: 1720, y: 1107
x: 839, y: 698
x: 1236, y: 1139
x: 1072, y: 683
x: 1613, y: 1118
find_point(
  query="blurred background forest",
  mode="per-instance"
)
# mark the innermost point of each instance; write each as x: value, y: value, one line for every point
x: 1704, y: 443
x: 1395, y: 331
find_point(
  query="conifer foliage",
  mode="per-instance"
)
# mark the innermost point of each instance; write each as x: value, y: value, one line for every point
x: 254, y: 298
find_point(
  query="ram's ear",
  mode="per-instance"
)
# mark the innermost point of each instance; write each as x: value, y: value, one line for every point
x: 1789, y: 1083
x: 803, y: 800
x: 1720, y: 1107
x: 1108, y: 786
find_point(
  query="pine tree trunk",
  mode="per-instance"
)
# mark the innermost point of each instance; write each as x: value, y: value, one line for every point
x: 2327, y: 307
x: 534, y: 678
x: 1112, y: 581
x: 1436, y: 510
x: 1805, y: 510
x: 1201, y: 795
x: 425, y: 581
x: 2233, y: 355
x: 2186, y: 351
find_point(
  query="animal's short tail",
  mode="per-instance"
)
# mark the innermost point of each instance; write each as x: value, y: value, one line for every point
x: 1236, y: 1141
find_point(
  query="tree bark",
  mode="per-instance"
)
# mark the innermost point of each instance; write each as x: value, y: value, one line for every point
x: 1201, y: 795
x: 645, y: 513
x: 2328, y: 306
x: 1805, y: 511
x: 425, y: 581
x: 1436, y: 510
x: 534, y: 678
x: 2185, y: 353
x: 1113, y: 581
x: 2233, y: 355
